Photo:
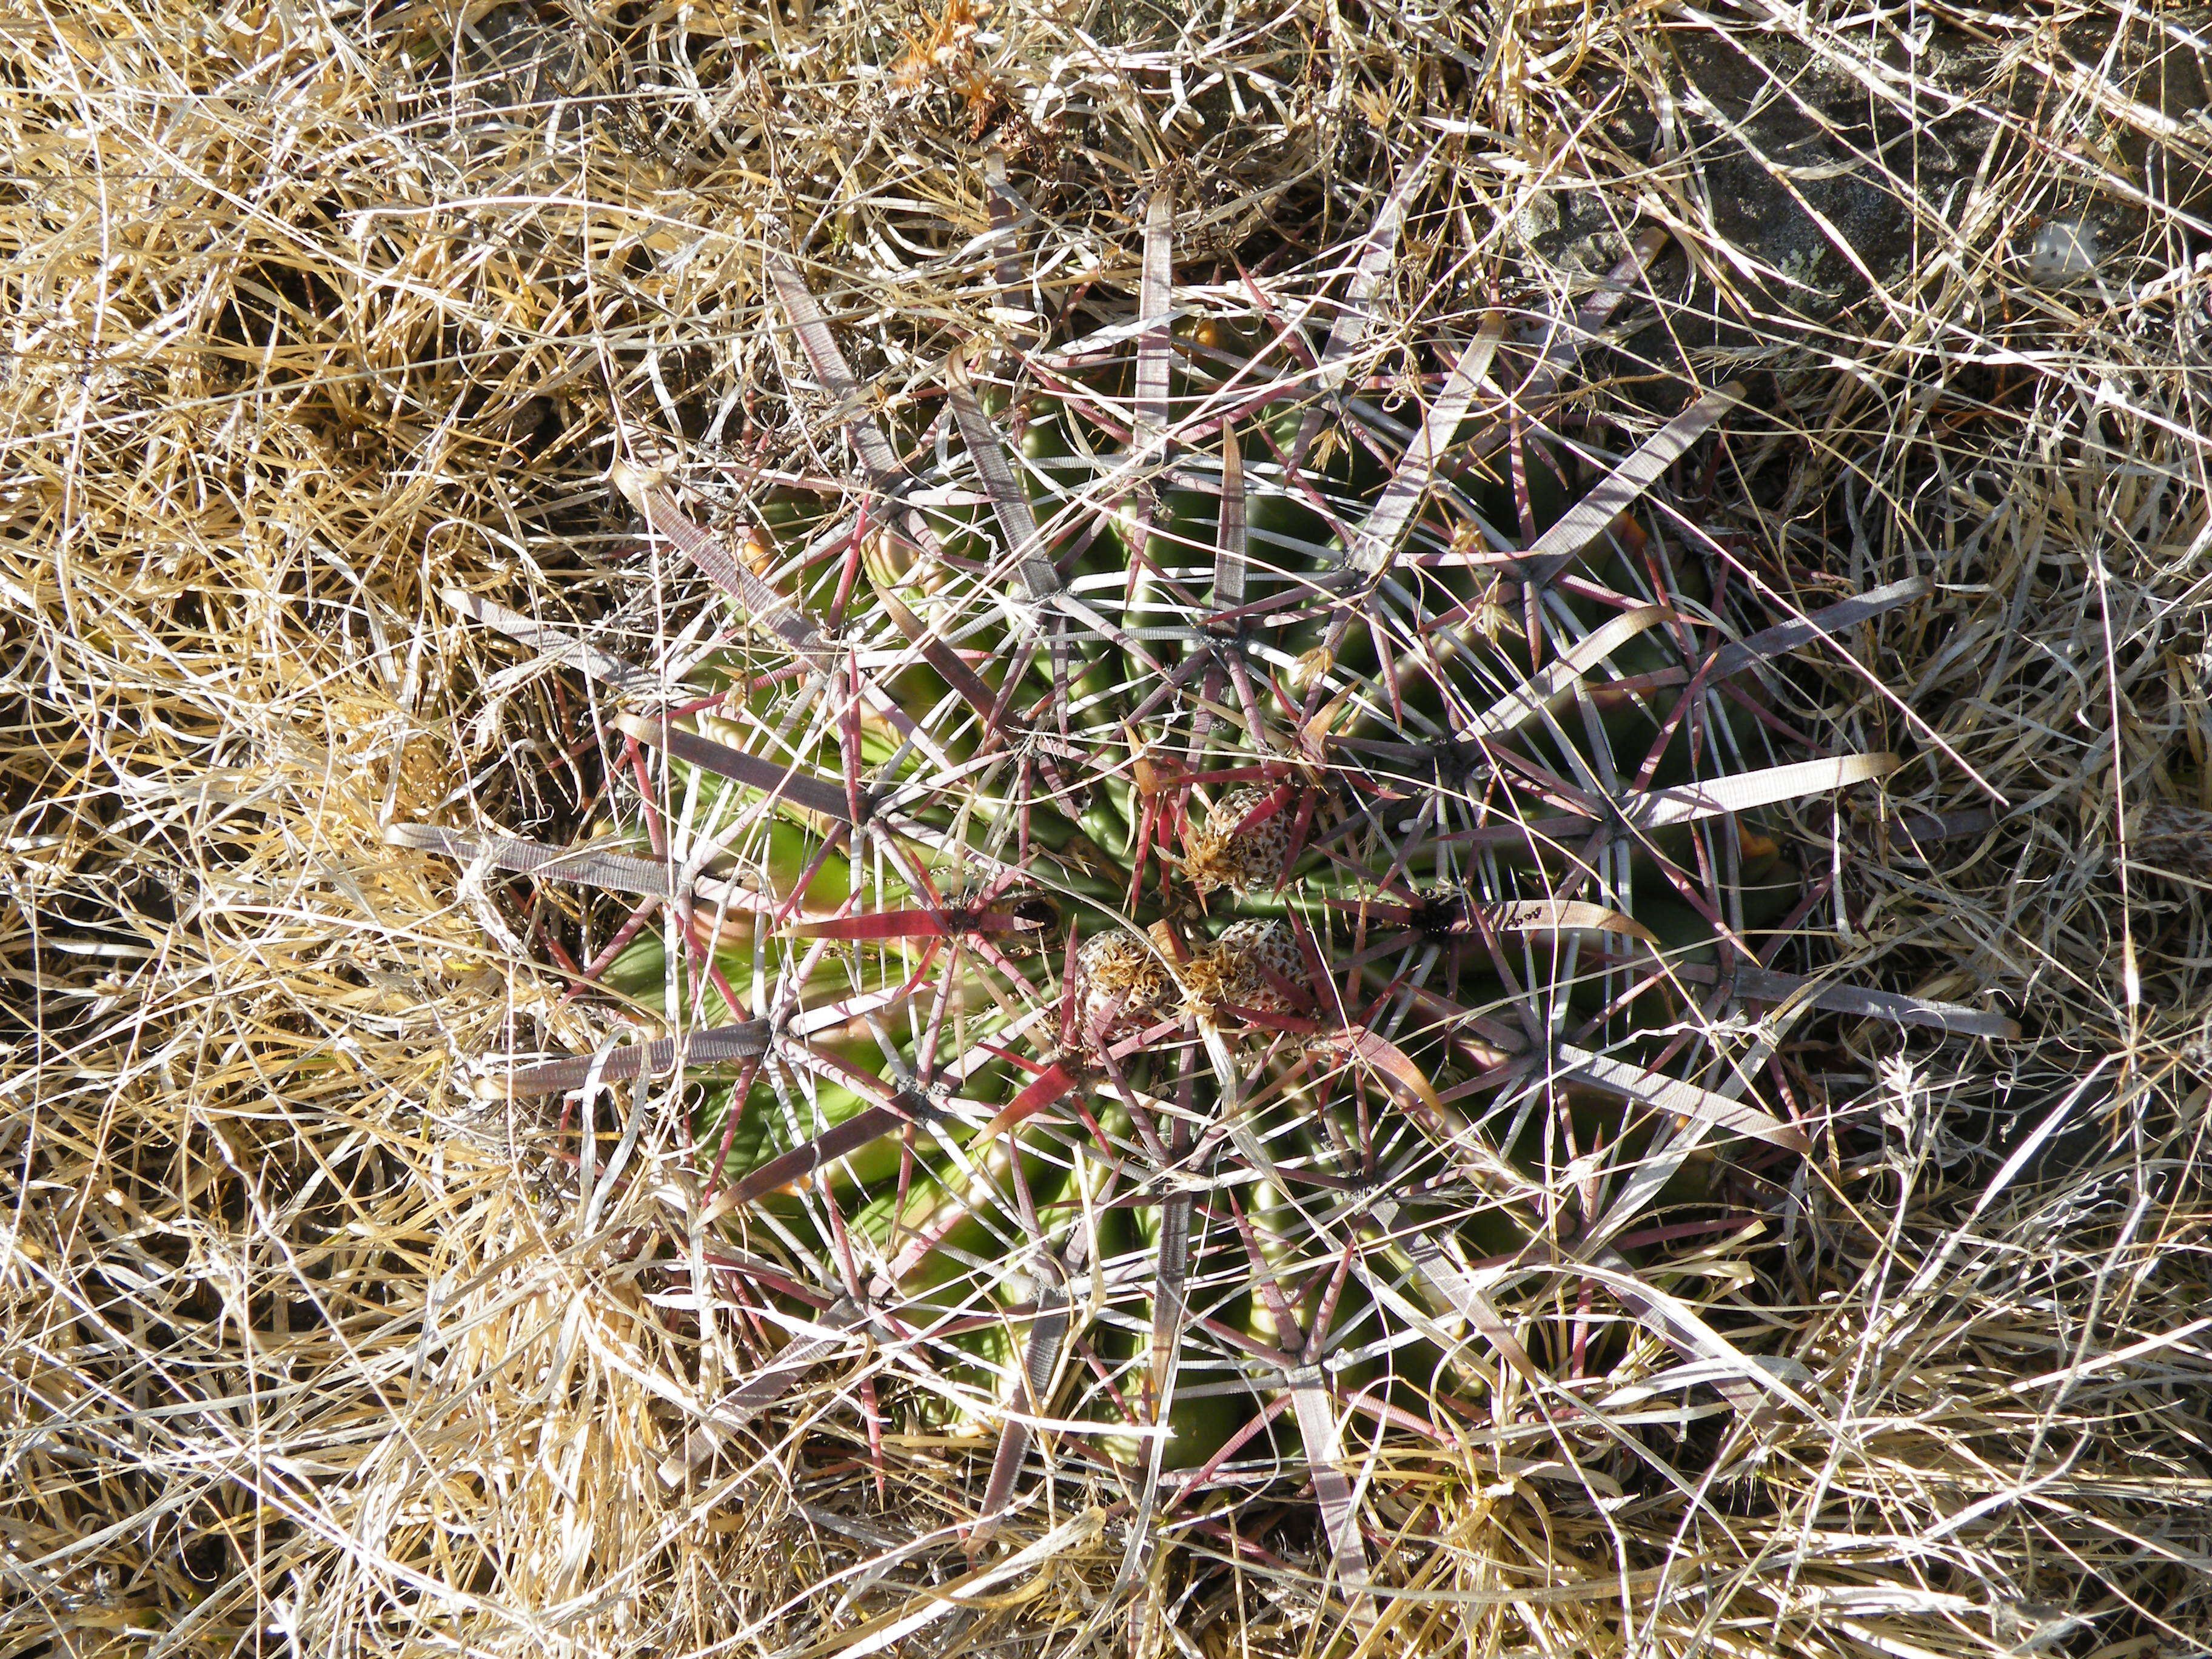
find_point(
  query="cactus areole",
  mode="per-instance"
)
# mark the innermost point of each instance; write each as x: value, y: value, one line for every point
x: 1199, y: 924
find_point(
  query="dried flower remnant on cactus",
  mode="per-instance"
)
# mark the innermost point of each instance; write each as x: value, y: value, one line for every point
x: 1122, y: 982
x: 1225, y: 851
x: 1239, y: 969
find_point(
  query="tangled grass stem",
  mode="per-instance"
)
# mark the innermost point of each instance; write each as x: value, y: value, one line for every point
x: 478, y: 1176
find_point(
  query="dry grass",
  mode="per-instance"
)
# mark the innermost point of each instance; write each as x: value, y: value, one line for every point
x: 314, y: 314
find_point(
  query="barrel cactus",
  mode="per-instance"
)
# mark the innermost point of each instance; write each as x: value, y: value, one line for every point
x: 1209, y: 913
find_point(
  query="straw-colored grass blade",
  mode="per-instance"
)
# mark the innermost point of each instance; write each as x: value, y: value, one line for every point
x: 1590, y: 517
x: 1747, y: 791
x: 1377, y: 543
x: 1672, y: 1095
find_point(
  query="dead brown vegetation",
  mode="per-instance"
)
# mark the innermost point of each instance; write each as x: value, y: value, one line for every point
x: 316, y: 312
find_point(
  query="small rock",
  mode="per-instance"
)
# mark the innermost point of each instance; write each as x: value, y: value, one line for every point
x: 2064, y: 251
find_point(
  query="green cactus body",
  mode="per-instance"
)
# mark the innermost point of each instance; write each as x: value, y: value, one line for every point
x: 959, y: 1296
x: 1350, y: 885
x: 1211, y: 1398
